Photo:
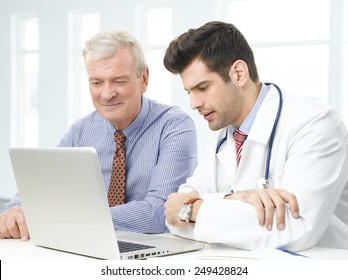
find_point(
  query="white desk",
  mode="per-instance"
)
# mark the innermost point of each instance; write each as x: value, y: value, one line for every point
x: 11, y: 249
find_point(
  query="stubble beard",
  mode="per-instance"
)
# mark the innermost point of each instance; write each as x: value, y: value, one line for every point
x: 219, y: 123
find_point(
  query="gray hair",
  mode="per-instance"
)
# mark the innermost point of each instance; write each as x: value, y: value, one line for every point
x: 105, y: 44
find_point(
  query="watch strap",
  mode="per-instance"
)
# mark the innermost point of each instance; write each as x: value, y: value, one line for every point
x: 192, y: 200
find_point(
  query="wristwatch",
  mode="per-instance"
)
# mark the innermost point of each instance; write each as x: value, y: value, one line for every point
x: 185, y: 210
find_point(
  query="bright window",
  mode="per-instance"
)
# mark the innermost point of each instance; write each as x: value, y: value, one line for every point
x: 281, y: 21
x: 345, y: 63
x: 83, y: 27
x: 158, y: 30
x: 90, y: 25
x: 25, y: 79
x: 291, y: 45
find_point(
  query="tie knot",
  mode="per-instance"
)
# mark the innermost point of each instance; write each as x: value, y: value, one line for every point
x: 239, y: 136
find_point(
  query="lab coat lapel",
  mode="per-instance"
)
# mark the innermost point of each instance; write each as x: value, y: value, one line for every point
x: 227, y: 156
x: 254, y: 152
x: 265, y: 118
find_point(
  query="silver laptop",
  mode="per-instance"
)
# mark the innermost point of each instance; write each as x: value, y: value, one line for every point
x: 65, y: 207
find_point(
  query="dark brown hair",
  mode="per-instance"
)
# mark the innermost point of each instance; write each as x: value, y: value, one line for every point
x: 217, y: 44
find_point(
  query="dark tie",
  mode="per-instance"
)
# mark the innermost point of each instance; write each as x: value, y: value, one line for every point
x: 239, y: 138
x: 117, y: 187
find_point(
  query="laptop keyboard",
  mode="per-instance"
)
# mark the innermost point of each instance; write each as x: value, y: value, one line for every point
x: 125, y: 246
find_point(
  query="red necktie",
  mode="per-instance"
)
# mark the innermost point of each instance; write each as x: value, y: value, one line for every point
x: 117, y: 187
x: 239, y: 138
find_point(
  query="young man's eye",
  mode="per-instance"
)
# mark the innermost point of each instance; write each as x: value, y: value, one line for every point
x: 203, y: 88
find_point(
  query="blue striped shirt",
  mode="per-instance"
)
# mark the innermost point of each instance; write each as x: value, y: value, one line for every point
x: 161, y: 152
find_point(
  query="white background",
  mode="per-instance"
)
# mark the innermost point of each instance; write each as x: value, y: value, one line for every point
x: 301, y: 45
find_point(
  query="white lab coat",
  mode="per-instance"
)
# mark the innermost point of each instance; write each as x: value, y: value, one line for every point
x: 309, y: 159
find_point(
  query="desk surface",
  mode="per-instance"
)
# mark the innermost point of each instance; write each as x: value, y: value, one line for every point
x: 11, y: 249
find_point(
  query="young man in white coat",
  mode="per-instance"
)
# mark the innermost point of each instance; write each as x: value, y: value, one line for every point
x: 286, y: 186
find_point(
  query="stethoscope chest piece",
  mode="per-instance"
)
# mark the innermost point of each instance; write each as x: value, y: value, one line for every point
x: 262, y: 183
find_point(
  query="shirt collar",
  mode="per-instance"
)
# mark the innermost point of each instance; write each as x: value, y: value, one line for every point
x: 131, y: 131
x: 249, y: 120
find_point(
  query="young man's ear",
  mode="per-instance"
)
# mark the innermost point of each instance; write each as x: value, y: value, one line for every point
x: 239, y: 73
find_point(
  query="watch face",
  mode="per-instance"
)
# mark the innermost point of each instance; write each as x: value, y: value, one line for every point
x: 184, y: 213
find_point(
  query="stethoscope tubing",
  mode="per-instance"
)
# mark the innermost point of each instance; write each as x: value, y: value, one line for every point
x: 271, y: 139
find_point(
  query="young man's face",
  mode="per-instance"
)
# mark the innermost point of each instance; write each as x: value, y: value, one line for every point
x: 220, y: 103
x: 115, y: 88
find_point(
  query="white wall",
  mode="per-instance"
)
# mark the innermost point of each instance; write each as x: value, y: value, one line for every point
x: 6, y: 178
x: 53, y: 17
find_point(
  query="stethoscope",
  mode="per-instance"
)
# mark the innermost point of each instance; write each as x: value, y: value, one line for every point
x: 263, y: 182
